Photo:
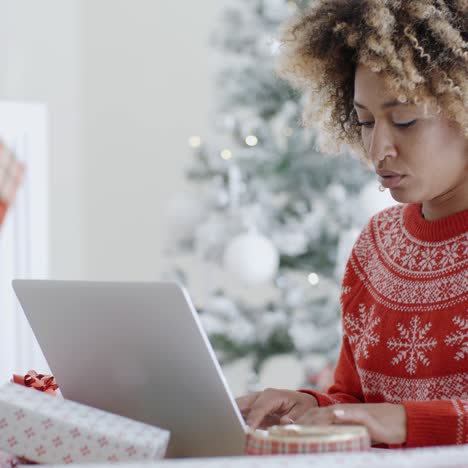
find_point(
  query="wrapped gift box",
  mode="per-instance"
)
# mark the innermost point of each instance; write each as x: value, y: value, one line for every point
x: 8, y: 461
x: 46, y: 429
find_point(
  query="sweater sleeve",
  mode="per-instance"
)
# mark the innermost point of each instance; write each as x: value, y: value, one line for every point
x: 437, y: 422
x: 347, y: 386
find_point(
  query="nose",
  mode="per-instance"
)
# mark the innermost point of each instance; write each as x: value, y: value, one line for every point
x: 381, y: 144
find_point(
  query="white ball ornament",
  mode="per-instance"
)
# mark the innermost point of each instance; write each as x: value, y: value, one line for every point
x: 182, y: 212
x: 252, y: 258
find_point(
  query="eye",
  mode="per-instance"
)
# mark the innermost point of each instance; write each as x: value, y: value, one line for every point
x: 405, y: 124
x: 399, y: 125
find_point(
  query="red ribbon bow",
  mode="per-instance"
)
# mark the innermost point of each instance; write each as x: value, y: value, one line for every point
x: 41, y: 382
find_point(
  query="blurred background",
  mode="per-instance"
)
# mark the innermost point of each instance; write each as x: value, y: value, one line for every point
x: 151, y: 140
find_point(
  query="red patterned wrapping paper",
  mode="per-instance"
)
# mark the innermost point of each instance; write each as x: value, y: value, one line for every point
x: 8, y: 461
x: 50, y: 430
x: 294, y: 439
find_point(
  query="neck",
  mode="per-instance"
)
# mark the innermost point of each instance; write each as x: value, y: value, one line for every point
x: 446, y: 205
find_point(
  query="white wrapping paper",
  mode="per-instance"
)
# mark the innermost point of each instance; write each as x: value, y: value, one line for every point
x: 48, y: 429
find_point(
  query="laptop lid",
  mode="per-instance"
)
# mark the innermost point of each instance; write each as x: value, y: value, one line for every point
x: 138, y: 350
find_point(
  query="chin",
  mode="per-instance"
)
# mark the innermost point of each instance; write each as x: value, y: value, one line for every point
x: 403, y: 197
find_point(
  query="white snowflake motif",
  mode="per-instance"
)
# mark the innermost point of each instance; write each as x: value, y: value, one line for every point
x: 449, y: 255
x: 428, y: 261
x: 459, y: 338
x: 388, y: 237
x: 409, y: 257
x: 397, y: 290
x: 388, y: 221
x: 417, y: 292
x: 446, y: 289
x: 397, y: 247
x: 412, y: 345
x: 359, y: 329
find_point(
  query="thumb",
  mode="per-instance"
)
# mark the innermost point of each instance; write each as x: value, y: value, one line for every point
x: 360, y: 417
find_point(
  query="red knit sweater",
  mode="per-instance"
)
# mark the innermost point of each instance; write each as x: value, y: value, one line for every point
x: 405, y: 323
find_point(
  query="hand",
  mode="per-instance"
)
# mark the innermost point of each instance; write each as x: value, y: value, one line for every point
x: 273, y: 406
x: 385, y: 422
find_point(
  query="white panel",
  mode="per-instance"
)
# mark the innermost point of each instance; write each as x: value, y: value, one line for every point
x: 24, y: 249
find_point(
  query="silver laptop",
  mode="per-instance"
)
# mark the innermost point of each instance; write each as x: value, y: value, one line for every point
x: 138, y: 350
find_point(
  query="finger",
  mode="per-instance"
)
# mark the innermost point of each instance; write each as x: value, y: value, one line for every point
x: 268, y: 421
x: 245, y: 402
x: 266, y: 404
x: 286, y: 420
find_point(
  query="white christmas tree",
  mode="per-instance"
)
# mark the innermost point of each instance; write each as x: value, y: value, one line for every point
x: 273, y: 209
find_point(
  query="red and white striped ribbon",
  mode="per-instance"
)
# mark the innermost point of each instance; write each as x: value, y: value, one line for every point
x: 307, y: 439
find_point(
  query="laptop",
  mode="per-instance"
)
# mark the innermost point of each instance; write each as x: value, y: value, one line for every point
x: 137, y: 350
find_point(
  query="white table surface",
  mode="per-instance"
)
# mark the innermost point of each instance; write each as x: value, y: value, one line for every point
x: 437, y: 457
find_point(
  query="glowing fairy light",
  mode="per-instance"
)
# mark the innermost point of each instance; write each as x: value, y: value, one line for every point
x: 313, y: 279
x: 226, y: 154
x: 251, y: 140
x: 194, y: 141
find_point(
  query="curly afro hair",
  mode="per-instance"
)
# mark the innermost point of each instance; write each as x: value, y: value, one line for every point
x: 419, y: 46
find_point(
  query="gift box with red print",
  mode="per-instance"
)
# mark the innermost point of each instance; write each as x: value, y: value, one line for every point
x: 8, y: 461
x: 48, y: 429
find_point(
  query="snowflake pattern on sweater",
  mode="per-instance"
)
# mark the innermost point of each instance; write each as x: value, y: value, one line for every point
x: 360, y: 330
x: 413, y: 344
x: 459, y: 337
x: 405, y: 323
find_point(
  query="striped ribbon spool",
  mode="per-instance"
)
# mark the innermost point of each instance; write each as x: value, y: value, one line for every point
x: 293, y: 438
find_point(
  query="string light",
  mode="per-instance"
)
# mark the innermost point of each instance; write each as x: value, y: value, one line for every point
x: 251, y: 140
x: 226, y: 154
x: 274, y: 46
x: 313, y: 279
x: 194, y: 141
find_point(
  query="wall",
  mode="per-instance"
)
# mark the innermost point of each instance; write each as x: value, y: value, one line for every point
x: 40, y: 60
x: 147, y: 88
x: 126, y: 83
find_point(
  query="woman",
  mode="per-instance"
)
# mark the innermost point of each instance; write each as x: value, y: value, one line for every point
x: 389, y: 78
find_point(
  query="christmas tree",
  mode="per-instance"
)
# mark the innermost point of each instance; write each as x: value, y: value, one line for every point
x: 273, y: 208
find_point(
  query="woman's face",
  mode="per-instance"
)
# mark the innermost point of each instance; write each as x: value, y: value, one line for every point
x: 427, y: 154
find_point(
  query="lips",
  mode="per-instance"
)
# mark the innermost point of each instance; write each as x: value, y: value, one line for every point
x: 382, y: 173
x: 391, y: 181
